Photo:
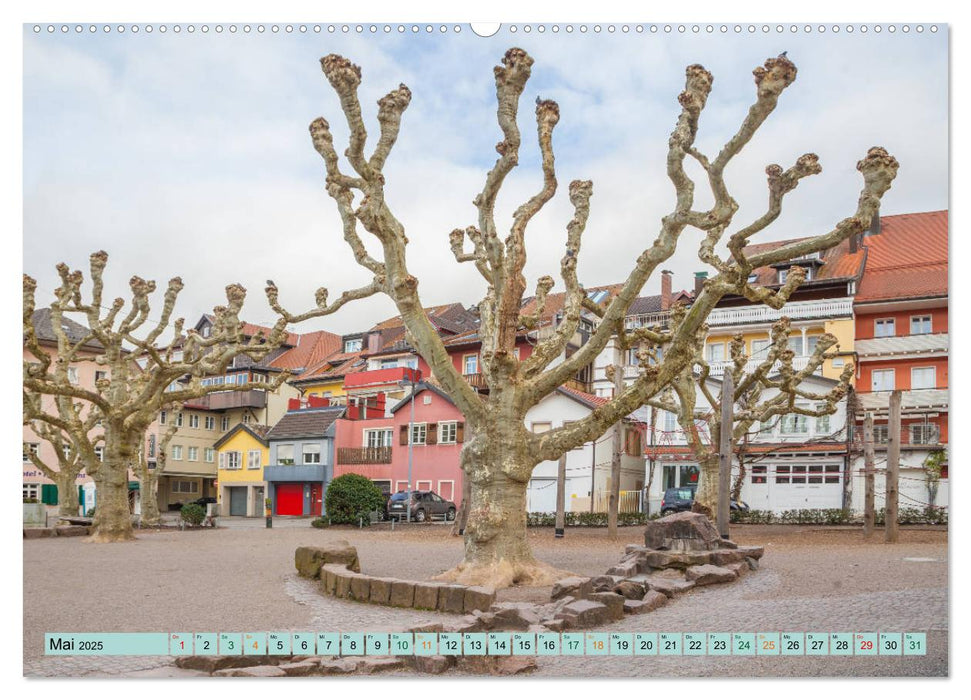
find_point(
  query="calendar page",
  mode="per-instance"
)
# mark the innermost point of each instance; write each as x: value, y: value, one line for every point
x: 443, y: 350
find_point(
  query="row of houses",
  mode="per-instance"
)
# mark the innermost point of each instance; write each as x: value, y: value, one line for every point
x: 362, y: 402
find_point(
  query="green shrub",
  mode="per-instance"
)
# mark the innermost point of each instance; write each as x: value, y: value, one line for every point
x: 90, y: 513
x: 586, y: 519
x: 835, y: 516
x: 31, y: 500
x: 320, y: 522
x: 351, y: 497
x: 193, y: 513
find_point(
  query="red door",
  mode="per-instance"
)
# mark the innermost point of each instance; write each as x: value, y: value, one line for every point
x: 316, y: 499
x: 289, y: 499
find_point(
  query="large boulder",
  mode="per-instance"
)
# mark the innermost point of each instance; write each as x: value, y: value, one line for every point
x: 576, y: 586
x: 682, y: 532
x: 584, y: 613
x: 308, y: 560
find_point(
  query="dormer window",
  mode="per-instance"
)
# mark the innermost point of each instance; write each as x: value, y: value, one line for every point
x: 753, y: 278
x: 782, y: 276
x: 206, y: 331
x: 354, y: 345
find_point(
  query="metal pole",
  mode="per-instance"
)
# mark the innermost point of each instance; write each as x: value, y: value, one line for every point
x: 411, y: 449
x: 560, y: 497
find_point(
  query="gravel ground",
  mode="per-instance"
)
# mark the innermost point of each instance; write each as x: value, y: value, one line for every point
x: 242, y: 579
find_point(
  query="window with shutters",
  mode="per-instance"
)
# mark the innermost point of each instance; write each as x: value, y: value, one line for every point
x: 447, y: 432
x: 418, y: 433
x: 233, y: 460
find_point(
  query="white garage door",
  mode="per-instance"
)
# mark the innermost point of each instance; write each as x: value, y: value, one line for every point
x: 779, y: 487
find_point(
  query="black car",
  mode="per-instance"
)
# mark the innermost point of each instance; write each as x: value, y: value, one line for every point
x: 679, y: 499
x: 425, y: 505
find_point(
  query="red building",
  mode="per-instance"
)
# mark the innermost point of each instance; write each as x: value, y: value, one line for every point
x: 375, y: 443
x: 901, y: 310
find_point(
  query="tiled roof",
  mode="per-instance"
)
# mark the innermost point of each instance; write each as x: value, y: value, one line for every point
x: 334, y: 367
x: 913, y: 401
x: 583, y: 397
x: 44, y: 330
x: 838, y: 262
x: 907, y: 259
x: 310, y: 349
x: 453, y: 318
x: 555, y: 302
x: 257, y: 431
x: 312, y: 422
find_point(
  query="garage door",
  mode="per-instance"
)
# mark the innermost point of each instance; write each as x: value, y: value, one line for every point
x: 237, y: 500
x: 289, y: 499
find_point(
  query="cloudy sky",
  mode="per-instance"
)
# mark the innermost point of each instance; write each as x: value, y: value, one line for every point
x: 189, y: 154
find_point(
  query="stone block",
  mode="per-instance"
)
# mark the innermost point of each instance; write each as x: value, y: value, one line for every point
x: 328, y: 578
x: 360, y: 588
x: 604, y: 583
x: 670, y: 586
x: 709, y: 574
x: 724, y: 557
x: 613, y: 601
x: 739, y: 567
x: 211, y: 664
x: 584, y: 613
x: 309, y: 667
x: 309, y: 560
x: 576, y: 586
x: 402, y: 594
x: 753, y: 552
x: 433, y: 664
x: 678, y: 560
x: 632, y: 590
x: 625, y: 569
x: 426, y: 595
x: 72, y: 531
x: 753, y: 564
x: 477, y: 598
x: 635, y: 607
x: 380, y: 591
x: 33, y: 533
x: 334, y: 666
x: 653, y: 600
x: 343, y: 587
x: 451, y: 598
x: 378, y: 664
x: 515, y: 616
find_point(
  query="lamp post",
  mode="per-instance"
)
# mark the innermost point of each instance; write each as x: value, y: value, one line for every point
x: 411, y: 441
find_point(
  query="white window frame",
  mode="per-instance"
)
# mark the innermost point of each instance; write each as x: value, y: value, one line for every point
x: 192, y: 453
x: 234, y: 459
x: 783, y: 274
x: 32, y: 491
x: 354, y: 345
x: 710, y: 354
x: 99, y: 452
x: 418, y: 485
x: 72, y: 375
x: 291, y: 460
x: 919, y: 433
x: 891, y: 372
x: 920, y: 318
x: 193, y: 420
x: 823, y: 424
x: 32, y: 448
x: 224, y: 423
x: 933, y: 382
x: 791, y: 421
x: 884, y: 323
x: 179, y: 419
x: 759, y: 353
x: 401, y: 486
x: 162, y: 417
x: 451, y: 496
x: 304, y: 453
x: 210, y: 422
x: 177, y: 452
x: 448, y: 432
x: 416, y: 431
x: 474, y: 364
x: 210, y: 454
x: 254, y: 459
x: 100, y: 374
x: 378, y: 437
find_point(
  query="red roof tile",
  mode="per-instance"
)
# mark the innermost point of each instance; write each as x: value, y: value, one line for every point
x: 309, y: 350
x: 838, y: 262
x: 907, y: 259
x: 585, y: 398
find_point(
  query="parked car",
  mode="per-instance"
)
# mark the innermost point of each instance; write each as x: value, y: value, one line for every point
x: 204, y: 501
x: 425, y: 505
x: 679, y: 499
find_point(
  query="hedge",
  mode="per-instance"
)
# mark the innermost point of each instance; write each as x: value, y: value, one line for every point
x: 587, y: 519
x: 836, y: 516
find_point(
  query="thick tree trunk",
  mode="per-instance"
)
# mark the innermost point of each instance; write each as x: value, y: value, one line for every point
x: 149, y: 498
x: 706, y: 498
x: 112, y: 518
x: 497, y: 551
x: 67, y: 495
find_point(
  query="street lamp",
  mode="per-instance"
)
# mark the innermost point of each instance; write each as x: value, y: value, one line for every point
x: 411, y: 440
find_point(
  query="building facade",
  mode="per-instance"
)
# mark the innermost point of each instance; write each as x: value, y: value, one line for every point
x: 243, y: 452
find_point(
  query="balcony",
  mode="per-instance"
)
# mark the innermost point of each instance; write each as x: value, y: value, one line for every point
x: 647, y: 320
x: 799, y: 310
x: 799, y: 362
x: 900, y: 346
x: 364, y: 455
x: 294, y: 472
x: 476, y: 381
x: 381, y: 377
x: 221, y: 400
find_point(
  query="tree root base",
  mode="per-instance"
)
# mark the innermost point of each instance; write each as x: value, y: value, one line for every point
x: 108, y: 537
x: 503, y: 573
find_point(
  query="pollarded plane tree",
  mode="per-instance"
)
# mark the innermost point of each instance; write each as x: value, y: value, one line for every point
x: 142, y: 370
x: 69, y: 427
x: 762, y: 392
x: 499, y: 459
x: 148, y: 473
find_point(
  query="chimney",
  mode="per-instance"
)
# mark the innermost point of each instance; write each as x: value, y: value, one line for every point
x: 874, y: 225
x: 700, y: 278
x: 665, y: 290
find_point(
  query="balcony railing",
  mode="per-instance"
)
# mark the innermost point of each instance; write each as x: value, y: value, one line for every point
x: 647, y: 320
x: 254, y: 398
x: 799, y: 362
x: 364, y: 455
x: 832, y: 308
x: 476, y: 381
x: 380, y: 377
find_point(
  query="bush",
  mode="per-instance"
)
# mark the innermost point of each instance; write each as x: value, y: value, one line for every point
x: 90, y: 513
x: 320, y: 522
x: 351, y: 497
x: 835, y: 516
x: 193, y: 513
x: 31, y: 500
x: 587, y: 519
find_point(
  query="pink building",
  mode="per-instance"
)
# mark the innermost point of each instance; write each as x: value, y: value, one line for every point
x: 374, y: 443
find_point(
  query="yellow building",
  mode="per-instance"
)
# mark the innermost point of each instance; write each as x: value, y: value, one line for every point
x: 243, y: 452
